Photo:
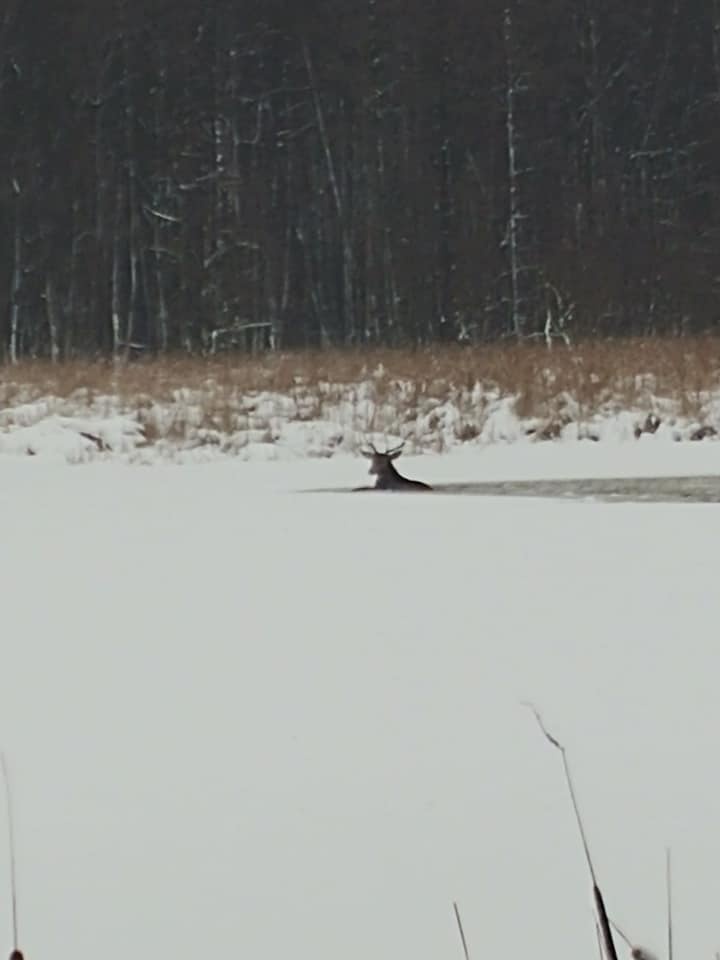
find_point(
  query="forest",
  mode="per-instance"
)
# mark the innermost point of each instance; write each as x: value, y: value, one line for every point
x: 234, y: 174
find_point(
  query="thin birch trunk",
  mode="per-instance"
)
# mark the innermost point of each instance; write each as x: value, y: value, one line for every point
x: 51, y: 310
x: 517, y: 317
x: 15, y: 290
x: 347, y: 258
x: 132, y: 210
x: 116, y: 275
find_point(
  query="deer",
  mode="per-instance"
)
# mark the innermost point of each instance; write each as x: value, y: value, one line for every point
x: 388, y: 478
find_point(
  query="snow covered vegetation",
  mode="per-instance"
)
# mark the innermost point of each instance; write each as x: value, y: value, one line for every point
x: 283, y: 406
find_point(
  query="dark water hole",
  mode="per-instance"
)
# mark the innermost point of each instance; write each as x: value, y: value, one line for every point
x: 704, y: 489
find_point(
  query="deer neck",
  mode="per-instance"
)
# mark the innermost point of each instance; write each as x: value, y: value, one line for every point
x: 389, y: 479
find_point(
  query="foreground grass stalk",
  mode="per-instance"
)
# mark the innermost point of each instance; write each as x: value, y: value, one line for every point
x: 11, y: 847
x: 602, y: 916
x: 462, y: 932
x: 668, y: 890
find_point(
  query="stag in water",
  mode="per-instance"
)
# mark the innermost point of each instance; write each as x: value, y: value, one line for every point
x: 383, y: 468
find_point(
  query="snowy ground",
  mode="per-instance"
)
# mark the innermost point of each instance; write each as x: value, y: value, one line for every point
x: 247, y: 721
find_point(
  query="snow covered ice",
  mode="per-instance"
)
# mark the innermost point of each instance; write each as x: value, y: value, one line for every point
x: 242, y: 720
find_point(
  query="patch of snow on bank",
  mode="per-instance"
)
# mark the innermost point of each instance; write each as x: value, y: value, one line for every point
x: 74, y: 439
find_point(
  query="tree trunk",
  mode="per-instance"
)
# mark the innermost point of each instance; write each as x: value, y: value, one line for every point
x: 15, y: 288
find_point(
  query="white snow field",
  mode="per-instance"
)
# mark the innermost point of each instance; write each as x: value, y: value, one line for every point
x: 247, y: 721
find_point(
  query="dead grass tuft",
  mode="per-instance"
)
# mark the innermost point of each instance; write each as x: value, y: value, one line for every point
x: 590, y: 372
x: 553, y: 387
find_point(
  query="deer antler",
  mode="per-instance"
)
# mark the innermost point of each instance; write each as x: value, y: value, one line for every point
x: 372, y: 452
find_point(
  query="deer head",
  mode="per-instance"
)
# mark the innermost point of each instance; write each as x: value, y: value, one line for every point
x: 382, y: 462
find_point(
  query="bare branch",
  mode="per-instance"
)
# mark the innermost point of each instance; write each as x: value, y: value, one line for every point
x: 161, y: 216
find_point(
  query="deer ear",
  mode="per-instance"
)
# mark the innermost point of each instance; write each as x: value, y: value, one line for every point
x: 367, y: 453
x: 395, y: 454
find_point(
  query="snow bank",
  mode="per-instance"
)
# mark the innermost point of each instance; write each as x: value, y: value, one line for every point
x: 200, y: 426
x: 76, y: 439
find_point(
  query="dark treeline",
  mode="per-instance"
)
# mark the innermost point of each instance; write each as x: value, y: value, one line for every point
x: 278, y: 174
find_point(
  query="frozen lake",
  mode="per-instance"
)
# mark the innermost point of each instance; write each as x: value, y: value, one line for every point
x: 247, y: 721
